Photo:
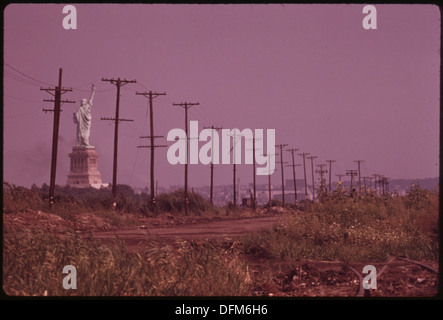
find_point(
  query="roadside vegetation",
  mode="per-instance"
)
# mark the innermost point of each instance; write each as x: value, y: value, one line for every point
x: 338, y: 227
x: 357, y: 230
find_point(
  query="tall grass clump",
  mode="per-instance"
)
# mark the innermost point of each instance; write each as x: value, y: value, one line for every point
x: 16, y: 198
x: 70, y: 200
x: 33, y: 263
x: 349, y: 230
x: 174, y: 203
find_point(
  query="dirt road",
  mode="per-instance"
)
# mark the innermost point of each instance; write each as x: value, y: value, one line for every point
x: 222, y: 229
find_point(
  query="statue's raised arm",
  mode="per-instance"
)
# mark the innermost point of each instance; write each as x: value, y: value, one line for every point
x: 92, y: 95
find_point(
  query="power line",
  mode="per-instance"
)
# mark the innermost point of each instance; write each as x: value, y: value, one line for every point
x: 20, y: 79
x: 22, y: 99
x: 27, y: 76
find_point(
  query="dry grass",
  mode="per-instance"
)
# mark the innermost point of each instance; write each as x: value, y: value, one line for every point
x: 354, y: 232
x: 33, y: 262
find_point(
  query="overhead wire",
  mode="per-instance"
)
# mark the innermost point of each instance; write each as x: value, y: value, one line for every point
x: 20, y: 79
x: 26, y: 75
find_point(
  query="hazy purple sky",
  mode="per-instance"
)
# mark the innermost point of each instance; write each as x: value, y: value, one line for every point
x: 311, y: 72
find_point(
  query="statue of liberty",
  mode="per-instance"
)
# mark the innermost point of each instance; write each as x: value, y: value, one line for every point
x: 83, y: 120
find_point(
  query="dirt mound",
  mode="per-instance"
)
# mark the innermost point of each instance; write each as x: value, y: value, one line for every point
x: 31, y: 219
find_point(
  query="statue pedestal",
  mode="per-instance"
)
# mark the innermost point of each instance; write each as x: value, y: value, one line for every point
x: 84, y: 168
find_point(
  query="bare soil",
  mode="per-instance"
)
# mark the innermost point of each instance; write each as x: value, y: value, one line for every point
x: 271, y: 277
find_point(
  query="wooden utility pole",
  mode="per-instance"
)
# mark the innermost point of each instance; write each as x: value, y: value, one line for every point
x: 313, y: 180
x: 321, y: 171
x: 58, y: 91
x: 269, y: 179
x: 375, y: 183
x: 186, y: 106
x: 304, y: 154
x: 281, y: 146
x: 234, y: 135
x: 212, y: 160
x: 119, y: 83
x: 339, y: 176
x: 359, y: 175
x: 330, y: 174
x: 254, y: 196
x: 254, y: 201
x: 293, y: 165
x: 383, y: 181
x: 351, y: 173
x: 364, y: 182
x: 151, y: 95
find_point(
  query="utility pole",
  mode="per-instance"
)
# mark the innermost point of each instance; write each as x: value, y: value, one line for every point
x: 292, y: 151
x: 370, y: 183
x: 339, y: 177
x: 383, y: 181
x: 321, y: 171
x: 351, y: 173
x: 234, y: 135
x: 364, y: 183
x: 281, y: 146
x: 304, y: 154
x: 58, y: 91
x: 313, y: 181
x: 151, y: 95
x: 186, y: 106
x: 381, y: 184
x: 375, y: 183
x: 212, y: 159
x: 254, y: 200
x: 119, y: 83
x: 330, y: 174
x: 359, y: 176
x: 269, y: 179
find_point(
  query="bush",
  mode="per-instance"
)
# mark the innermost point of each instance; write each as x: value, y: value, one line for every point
x: 17, y: 199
